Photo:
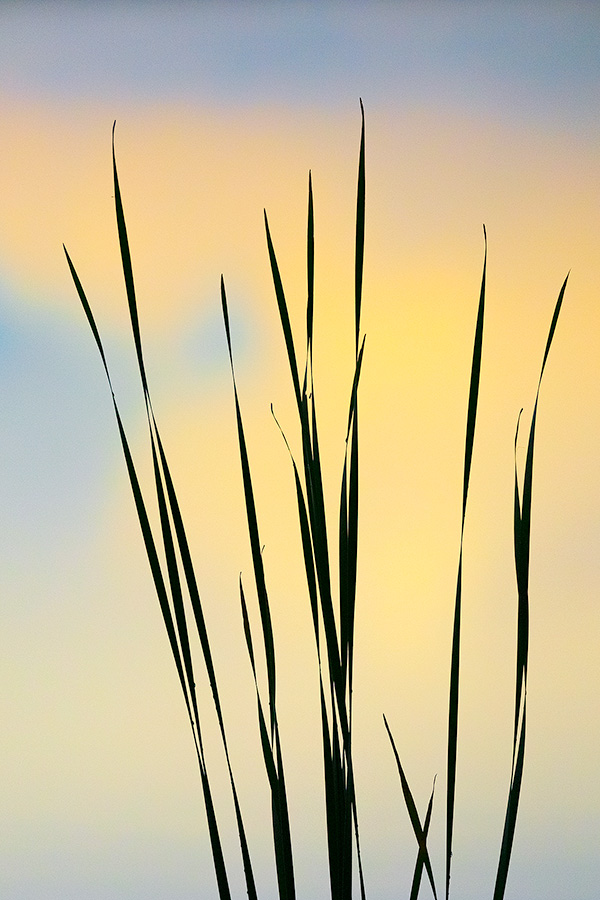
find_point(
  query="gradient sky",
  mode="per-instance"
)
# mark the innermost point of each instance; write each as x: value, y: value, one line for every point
x: 475, y: 113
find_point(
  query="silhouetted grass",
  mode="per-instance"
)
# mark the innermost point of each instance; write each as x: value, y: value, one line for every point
x: 333, y: 618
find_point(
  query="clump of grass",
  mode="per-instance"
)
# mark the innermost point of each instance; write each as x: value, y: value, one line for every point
x: 333, y: 617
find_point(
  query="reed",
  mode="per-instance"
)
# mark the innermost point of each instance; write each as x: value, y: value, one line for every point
x: 333, y: 617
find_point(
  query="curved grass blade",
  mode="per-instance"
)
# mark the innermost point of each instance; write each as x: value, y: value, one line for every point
x: 522, y: 543
x: 455, y: 659
x: 145, y: 526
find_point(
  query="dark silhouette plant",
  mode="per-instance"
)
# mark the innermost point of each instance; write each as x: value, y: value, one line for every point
x: 333, y: 621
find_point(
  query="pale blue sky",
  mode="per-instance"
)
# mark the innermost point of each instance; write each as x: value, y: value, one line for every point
x: 514, y: 60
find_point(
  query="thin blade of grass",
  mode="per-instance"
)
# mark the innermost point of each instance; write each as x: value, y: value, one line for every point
x: 343, y: 847
x: 348, y: 541
x: 352, y: 558
x: 456, y: 631
x: 280, y: 815
x: 310, y: 271
x: 522, y: 543
x: 510, y: 820
x: 343, y: 567
x: 215, y: 840
x: 127, y: 268
x: 354, y: 812
x: 521, y: 570
x: 274, y: 767
x: 309, y: 564
x: 264, y: 733
x: 331, y: 804
x: 286, y: 854
x: 285, y: 319
x: 257, y: 562
x: 360, y: 231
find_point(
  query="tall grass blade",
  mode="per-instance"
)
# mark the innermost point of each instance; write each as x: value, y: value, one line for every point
x: 339, y: 778
x: 310, y: 274
x: 273, y: 762
x: 257, y: 562
x: 455, y: 658
x: 522, y: 543
x: 360, y: 230
x: 348, y: 534
x: 274, y: 768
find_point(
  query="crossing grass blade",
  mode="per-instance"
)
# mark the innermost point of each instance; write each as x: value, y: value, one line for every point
x: 169, y: 511
x: 456, y: 631
x: 421, y: 857
x: 420, y: 832
x: 162, y: 594
x: 522, y: 543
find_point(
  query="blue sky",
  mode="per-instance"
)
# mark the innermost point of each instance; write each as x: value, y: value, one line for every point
x: 524, y: 61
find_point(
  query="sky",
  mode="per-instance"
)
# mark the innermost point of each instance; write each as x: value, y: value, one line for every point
x: 476, y: 113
